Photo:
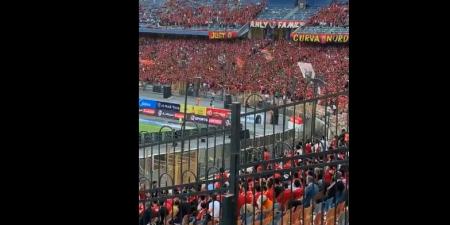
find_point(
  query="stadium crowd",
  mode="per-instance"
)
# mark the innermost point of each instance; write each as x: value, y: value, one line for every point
x: 270, y: 196
x: 261, y: 66
x: 334, y: 15
x: 187, y: 14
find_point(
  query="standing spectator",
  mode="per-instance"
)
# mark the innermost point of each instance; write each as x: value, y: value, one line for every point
x: 213, y: 210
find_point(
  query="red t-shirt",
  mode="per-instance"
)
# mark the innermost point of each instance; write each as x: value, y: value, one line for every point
x: 334, y: 143
x: 287, y: 165
x: 241, y: 200
x: 217, y: 185
x: 223, y: 175
x: 277, y: 175
x: 280, y: 198
x: 267, y: 156
x: 249, y: 197
x: 142, y: 196
x: 328, y: 176
x: 287, y: 195
x: 168, y: 204
x: 192, y: 198
x: 201, y: 214
x: 308, y: 148
x: 298, y: 193
x: 270, y: 194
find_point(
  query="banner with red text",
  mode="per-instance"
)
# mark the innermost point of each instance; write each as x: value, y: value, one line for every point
x: 225, y: 113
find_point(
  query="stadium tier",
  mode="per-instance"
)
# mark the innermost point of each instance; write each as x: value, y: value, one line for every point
x: 284, y: 152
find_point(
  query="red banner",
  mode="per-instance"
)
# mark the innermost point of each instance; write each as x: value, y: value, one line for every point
x: 215, y: 121
x: 276, y: 23
x: 179, y: 115
x: 222, y: 34
x: 320, y: 38
x: 225, y: 113
x: 298, y: 120
x: 149, y: 111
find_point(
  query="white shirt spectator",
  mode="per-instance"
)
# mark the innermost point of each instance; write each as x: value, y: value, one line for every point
x: 214, y: 209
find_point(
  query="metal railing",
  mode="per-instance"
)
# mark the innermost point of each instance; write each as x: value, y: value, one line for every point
x: 289, y: 164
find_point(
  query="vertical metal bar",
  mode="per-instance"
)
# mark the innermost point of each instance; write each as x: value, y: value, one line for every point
x: 145, y: 168
x: 223, y: 144
x: 313, y: 113
x: 293, y: 139
x: 229, y: 212
x: 254, y: 128
x: 273, y: 129
x: 183, y: 129
x: 304, y: 124
x: 198, y: 155
x: 207, y: 150
x: 305, y: 185
x: 153, y: 165
x: 167, y: 158
x: 235, y: 149
x: 337, y: 115
x: 326, y: 122
x: 159, y: 164
x: 174, y: 160
x: 264, y: 127
x: 189, y: 158
x: 284, y: 119
x: 245, y: 128
x: 215, y: 139
x: 292, y: 179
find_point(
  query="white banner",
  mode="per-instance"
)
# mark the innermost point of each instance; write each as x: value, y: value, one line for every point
x: 306, y: 68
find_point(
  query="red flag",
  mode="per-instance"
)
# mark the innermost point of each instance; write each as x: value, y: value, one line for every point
x: 239, y: 62
x: 147, y: 62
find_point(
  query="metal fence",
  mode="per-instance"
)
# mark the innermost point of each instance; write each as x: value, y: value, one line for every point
x: 266, y: 168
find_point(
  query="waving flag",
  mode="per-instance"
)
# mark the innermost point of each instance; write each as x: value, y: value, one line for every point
x: 147, y: 62
x: 239, y: 62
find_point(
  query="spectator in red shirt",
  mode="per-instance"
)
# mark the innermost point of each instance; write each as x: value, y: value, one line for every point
x: 298, y: 189
x: 267, y: 155
x: 308, y: 149
x: 287, y: 194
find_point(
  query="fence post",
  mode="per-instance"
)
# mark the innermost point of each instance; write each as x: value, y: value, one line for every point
x: 229, y: 210
x: 230, y: 201
x: 235, y: 147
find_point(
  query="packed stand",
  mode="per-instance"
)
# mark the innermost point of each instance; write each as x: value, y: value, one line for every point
x: 148, y: 16
x: 285, y: 189
x: 324, y: 30
x: 258, y: 66
x: 188, y: 14
x: 334, y: 15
